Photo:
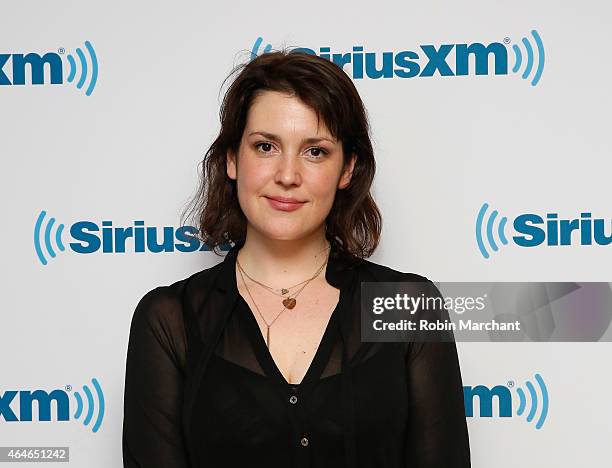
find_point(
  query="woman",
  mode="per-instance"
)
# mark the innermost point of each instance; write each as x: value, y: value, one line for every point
x: 257, y: 361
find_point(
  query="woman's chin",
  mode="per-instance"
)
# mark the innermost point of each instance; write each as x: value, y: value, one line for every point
x: 282, y: 230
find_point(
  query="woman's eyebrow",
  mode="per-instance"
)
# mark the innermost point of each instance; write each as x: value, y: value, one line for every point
x: 271, y: 136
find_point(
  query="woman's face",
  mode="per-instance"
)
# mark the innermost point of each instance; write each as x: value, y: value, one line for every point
x: 283, y: 154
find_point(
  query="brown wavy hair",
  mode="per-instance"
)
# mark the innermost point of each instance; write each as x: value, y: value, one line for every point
x: 354, y: 223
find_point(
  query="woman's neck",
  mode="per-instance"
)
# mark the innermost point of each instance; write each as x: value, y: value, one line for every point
x: 278, y: 260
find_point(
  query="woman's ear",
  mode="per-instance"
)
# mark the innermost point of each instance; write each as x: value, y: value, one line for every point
x: 230, y: 163
x: 347, y: 173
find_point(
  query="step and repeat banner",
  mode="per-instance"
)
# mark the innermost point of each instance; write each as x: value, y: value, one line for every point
x: 491, y: 128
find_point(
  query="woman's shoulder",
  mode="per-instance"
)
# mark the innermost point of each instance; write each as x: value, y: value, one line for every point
x: 164, y: 319
x: 164, y: 305
x: 380, y: 272
x: 370, y: 271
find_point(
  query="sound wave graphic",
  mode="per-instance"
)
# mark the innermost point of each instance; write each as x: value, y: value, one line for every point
x: 488, y: 230
x: 255, y: 48
x: 536, y: 404
x: 44, y: 240
x: 90, y: 405
x: 84, y: 68
x: 531, y: 59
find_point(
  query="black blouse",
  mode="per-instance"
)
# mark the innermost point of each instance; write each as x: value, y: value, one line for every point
x: 202, y: 389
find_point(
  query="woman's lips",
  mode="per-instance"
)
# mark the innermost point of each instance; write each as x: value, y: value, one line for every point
x: 284, y: 205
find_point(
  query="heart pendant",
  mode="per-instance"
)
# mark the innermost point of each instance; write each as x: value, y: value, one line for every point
x: 289, y: 302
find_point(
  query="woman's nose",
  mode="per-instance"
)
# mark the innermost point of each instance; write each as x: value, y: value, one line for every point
x: 288, y: 169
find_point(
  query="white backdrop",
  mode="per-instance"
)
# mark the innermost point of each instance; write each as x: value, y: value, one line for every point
x: 127, y: 150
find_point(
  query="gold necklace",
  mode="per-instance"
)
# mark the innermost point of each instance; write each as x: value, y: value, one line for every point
x: 268, y: 325
x: 288, y: 302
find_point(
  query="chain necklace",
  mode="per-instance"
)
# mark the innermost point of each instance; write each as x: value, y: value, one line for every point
x: 283, y: 291
x: 288, y: 302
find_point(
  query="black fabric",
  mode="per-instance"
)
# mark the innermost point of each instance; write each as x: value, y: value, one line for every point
x: 202, y: 390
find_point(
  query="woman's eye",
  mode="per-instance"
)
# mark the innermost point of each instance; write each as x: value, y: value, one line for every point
x: 321, y: 151
x: 268, y: 146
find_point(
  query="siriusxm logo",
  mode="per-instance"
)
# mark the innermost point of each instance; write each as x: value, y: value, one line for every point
x: 533, y: 230
x: 19, y: 63
x: 533, y: 407
x: 89, y: 237
x: 526, y: 59
x: 89, y: 406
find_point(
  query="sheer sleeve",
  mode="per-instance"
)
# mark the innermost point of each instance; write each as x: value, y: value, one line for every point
x: 438, y: 434
x: 152, y: 434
